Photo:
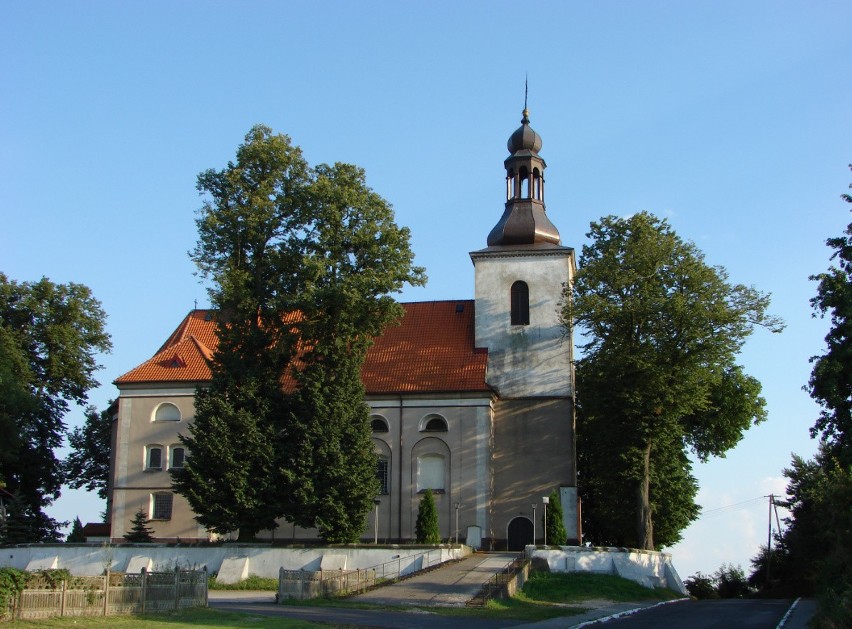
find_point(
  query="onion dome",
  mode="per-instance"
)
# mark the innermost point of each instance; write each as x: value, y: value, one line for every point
x: 524, y: 138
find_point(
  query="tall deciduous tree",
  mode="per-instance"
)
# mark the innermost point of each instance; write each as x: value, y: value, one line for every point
x: 248, y: 232
x: 830, y: 383
x: 817, y: 542
x: 50, y: 335
x: 87, y: 465
x: 303, y: 262
x: 658, y: 374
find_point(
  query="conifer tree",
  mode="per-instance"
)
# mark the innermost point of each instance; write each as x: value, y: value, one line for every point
x: 140, y: 532
x: 555, y: 526
x: 76, y: 535
x: 426, y: 527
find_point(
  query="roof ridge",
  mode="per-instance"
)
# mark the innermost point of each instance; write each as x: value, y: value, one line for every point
x: 205, y: 351
x: 179, y: 334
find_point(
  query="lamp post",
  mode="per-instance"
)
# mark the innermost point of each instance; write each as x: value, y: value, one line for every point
x: 376, y: 502
x: 533, y: 506
x: 458, y: 505
x: 546, y: 501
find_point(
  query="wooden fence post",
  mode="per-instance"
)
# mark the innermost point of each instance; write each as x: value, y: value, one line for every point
x: 206, y: 593
x: 62, y: 600
x: 144, y: 575
x: 177, y: 587
x: 106, y: 590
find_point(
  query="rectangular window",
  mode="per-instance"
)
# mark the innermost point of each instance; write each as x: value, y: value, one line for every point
x: 383, y: 474
x: 155, y: 458
x: 177, y: 458
x: 430, y: 473
x: 162, y: 508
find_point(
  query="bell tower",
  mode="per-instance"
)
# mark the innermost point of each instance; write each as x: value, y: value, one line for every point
x: 524, y: 220
x: 520, y: 277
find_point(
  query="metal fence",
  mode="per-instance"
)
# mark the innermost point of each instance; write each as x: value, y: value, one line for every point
x: 306, y: 584
x: 498, y: 586
x: 113, y: 593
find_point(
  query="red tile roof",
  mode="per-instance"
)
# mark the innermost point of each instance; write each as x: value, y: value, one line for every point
x: 431, y: 350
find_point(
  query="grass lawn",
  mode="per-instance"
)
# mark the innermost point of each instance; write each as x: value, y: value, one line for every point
x: 556, y: 587
x: 189, y: 619
x: 253, y: 582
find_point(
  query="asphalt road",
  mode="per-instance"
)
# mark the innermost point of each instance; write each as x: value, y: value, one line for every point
x: 719, y: 614
x: 364, y: 617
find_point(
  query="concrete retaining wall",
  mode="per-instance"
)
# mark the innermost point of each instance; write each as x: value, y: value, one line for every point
x: 238, y: 559
x: 646, y: 567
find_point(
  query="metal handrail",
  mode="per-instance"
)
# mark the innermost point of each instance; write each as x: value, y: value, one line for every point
x: 389, y: 571
x: 498, y: 582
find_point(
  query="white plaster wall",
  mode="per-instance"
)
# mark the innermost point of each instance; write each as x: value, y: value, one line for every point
x: 524, y: 360
x: 648, y: 568
x: 264, y: 561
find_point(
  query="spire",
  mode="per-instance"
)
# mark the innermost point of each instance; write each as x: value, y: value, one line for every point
x: 524, y: 221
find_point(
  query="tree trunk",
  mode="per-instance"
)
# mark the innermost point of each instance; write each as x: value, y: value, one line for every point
x: 644, y: 524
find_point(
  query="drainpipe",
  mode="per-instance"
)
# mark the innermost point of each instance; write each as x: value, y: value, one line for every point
x: 399, y: 484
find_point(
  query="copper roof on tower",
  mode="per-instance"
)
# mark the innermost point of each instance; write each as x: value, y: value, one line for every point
x: 524, y: 220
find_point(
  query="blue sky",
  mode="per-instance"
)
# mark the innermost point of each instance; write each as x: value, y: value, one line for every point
x: 731, y: 119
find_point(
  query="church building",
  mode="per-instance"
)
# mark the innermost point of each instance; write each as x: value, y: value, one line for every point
x: 473, y: 399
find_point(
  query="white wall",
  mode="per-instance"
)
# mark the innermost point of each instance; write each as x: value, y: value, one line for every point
x: 646, y: 567
x: 524, y: 360
x: 264, y: 561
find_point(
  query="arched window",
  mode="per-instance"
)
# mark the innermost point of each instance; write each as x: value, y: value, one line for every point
x: 430, y: 473
x: 167, y: 412
x: 520, y: 303
x: 433, y: 423
x: 378, y: 424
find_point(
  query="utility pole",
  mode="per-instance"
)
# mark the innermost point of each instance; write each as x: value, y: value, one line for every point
x: 769, y: 541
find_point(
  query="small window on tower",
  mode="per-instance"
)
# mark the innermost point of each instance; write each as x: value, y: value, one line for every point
x: 520, y: 303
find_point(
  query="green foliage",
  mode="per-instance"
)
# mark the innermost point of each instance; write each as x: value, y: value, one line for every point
x: 573, y: 587
x: 253, y: 582
x: 302, y: 263
x: 330, y: 446
x: 816, y: 547
x: 830, y: 384
x: 731, y: 582
x: 556, y: 533
x: 657, y: 377
x: 12, y: 582
x: 701, y: 586
x: 49, y: 337
x: 229, y: 476
x: 76, y: 535
x: 140, y: 532
x: 426, y: 528
x: 87, y: 466
x: 24, y: 525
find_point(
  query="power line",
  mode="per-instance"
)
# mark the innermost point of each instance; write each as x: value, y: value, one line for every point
x: 735, y: 506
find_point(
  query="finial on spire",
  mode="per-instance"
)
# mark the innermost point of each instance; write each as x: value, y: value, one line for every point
x: 526, y: 118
